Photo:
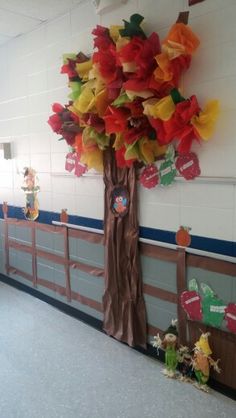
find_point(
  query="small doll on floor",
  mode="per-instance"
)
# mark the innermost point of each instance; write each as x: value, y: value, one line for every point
x: 185, y: 364
x: 169, y: 344
x: 202, y: 362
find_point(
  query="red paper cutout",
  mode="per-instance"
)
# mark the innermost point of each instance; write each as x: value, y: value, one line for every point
x: 191, y: 303
x: 230, y: 316
x: 80, y: 168
x: 149, y: 177
x: 188, y: 166
x: 70, y: 161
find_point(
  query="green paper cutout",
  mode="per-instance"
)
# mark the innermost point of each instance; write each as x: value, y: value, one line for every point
x: 192, y: 285
x: 207, y: 291
x: 213, y: 308
x: 176, y: 96
x: 167, y: 173
x: 167, y: 168
x: 170, y: 153
x: 133, y: 28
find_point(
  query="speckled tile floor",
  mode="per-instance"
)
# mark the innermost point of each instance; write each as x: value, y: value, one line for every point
x: 54, y: 366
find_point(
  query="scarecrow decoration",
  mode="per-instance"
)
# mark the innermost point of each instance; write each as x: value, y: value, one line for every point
x: 170, y: 346
x: 31, y: 189
x: 202, y: 361
x: 127, y: 117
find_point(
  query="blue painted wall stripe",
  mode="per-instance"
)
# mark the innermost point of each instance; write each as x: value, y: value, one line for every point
x: 212, y: 245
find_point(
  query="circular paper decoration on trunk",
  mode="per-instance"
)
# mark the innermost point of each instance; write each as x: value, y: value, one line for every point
x: 120, y: 201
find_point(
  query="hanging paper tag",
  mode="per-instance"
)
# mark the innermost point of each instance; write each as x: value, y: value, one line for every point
x: 230, y: 316
x: 120, y: 201
x: 188, y: 166
x: 167, y: 173
x: 80, y: 168
x: 191, y: 303
x: 70, y: 161
x: 149, y: 177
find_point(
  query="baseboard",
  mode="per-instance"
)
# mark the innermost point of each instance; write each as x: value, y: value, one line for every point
x: 69, y: 310
x: 97, y: 324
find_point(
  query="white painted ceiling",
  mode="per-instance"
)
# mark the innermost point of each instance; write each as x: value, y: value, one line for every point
x: 21, y: 16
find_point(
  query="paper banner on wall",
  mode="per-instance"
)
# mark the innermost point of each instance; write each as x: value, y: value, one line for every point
x: 213, y: 308
x: 31, y: 189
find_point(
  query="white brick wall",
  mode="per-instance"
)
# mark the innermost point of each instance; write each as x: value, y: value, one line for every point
x: 30, y: 81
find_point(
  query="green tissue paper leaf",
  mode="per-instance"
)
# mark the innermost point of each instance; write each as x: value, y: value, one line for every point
x: 133, y: 28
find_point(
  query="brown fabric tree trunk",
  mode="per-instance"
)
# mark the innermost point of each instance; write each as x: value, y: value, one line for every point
x: 124, y: 307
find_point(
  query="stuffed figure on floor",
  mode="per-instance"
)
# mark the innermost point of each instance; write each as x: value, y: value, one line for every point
x: 169, y: 344
x: 202, y: 362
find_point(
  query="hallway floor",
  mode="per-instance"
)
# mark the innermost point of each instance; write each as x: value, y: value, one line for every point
x: 54, y: 366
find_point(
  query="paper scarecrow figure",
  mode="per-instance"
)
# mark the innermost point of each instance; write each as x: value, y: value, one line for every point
x: 31, y: 188
x: 202, y: 361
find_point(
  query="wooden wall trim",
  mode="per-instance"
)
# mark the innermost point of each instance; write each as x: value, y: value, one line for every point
x: 86, y: 235
x: 160, y: 293
x: 181, y: 286
x: 211, y: 264
x: 59, y: 289
x: 161, y: 253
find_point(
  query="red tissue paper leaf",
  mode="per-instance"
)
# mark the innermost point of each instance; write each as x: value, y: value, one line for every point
x: 191, y: 303
x: 188, y: 166
x: 230, y: 317
x: 149, y: 177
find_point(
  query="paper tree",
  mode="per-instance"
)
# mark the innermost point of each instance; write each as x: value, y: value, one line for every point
x: 126, y: 112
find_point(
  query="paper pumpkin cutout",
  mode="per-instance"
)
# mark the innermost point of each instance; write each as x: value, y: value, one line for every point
x: 230, y: 317
x: 213, y: 308
x: 188, y: 165
x: 191, y: 301
x: 149, y: 177
x: 70, y: 161
x: 120, y: 201
x: 64, y: 216
x: 183, y: 237
x: 31, y: 188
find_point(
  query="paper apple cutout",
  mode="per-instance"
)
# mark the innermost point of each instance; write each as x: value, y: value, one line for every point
x: 80, y: 168
x: 149, y: 177
x: 70, y: 161
x: 188, y: 166
x: 191, y: 303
